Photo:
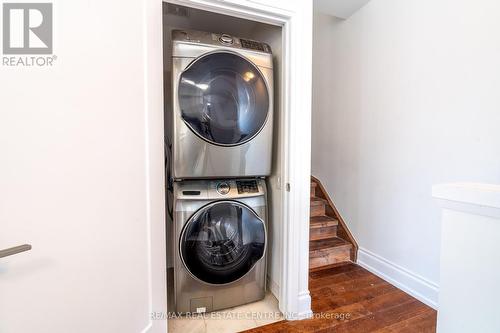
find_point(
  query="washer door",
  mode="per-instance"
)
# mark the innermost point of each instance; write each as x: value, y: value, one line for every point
x: 223, y: 98
x: 222, y: 242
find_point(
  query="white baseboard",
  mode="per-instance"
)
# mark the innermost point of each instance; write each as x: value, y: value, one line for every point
x: 422, y: 289
x: 304, y: 302
x: 304, y: 311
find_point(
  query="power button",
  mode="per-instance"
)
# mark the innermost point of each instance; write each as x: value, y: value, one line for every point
x: 223, y: 188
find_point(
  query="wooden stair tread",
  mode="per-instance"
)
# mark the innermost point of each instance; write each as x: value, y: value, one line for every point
x: 336, y: 266
x: 331, y: 243
x: 322, y: 221
x: 315, y: 201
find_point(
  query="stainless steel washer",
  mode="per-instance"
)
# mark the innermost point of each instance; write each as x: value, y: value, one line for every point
x: 220, y: 243
x: 221, y: 119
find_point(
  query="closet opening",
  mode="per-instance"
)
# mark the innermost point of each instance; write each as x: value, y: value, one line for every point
x: 224, y: 123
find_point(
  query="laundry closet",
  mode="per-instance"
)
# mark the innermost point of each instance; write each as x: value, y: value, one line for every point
x: 223, y: 148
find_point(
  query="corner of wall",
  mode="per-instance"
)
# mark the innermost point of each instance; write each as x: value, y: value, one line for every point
x: 273, y: 286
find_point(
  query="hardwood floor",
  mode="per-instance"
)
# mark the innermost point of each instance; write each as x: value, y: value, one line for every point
x: 348, y: 298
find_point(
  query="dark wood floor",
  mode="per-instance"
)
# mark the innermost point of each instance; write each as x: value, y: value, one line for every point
x: 357, y: 301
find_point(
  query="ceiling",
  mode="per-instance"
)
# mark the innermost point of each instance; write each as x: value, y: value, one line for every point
x: 339, y: 8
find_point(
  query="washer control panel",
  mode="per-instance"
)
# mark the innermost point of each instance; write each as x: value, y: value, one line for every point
x: 236, y: 188
x: 219, y: 189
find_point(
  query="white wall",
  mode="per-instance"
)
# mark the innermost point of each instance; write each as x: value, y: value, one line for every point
x: 74, y: 177
x: 405, y: 95
x: 471, y: 216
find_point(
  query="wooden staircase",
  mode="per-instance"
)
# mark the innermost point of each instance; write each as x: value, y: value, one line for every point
x: 330, y: 242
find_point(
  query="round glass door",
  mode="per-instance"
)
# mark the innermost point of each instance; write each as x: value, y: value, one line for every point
x: 222, y: 242
x: 223, y: 99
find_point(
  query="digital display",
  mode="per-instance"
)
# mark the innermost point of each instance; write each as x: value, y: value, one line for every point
x: 247, y: 186
x: 250, y: 44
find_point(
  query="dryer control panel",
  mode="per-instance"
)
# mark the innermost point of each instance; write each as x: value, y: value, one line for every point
x: 214, y: 39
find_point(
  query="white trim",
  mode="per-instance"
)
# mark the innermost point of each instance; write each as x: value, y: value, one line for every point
x: 419, y: 287
x: 154, y: 164
x: 472, y: 198
x: 482, y: 195
x: 305, y: 310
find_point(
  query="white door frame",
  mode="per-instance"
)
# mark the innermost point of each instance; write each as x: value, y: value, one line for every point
x: 295, y: 18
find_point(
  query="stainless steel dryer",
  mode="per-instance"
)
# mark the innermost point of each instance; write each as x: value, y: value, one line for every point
x: 222, y: 106
x: 220, y: 243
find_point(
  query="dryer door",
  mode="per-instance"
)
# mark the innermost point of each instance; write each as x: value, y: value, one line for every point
x: 222, y: 242
x: 223, y: 98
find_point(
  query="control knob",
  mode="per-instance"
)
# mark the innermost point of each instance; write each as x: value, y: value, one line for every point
x: 223, y: 188
x: 226, y: 39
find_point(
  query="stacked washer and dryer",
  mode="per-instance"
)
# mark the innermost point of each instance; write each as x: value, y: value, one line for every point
x: 219, y: 143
